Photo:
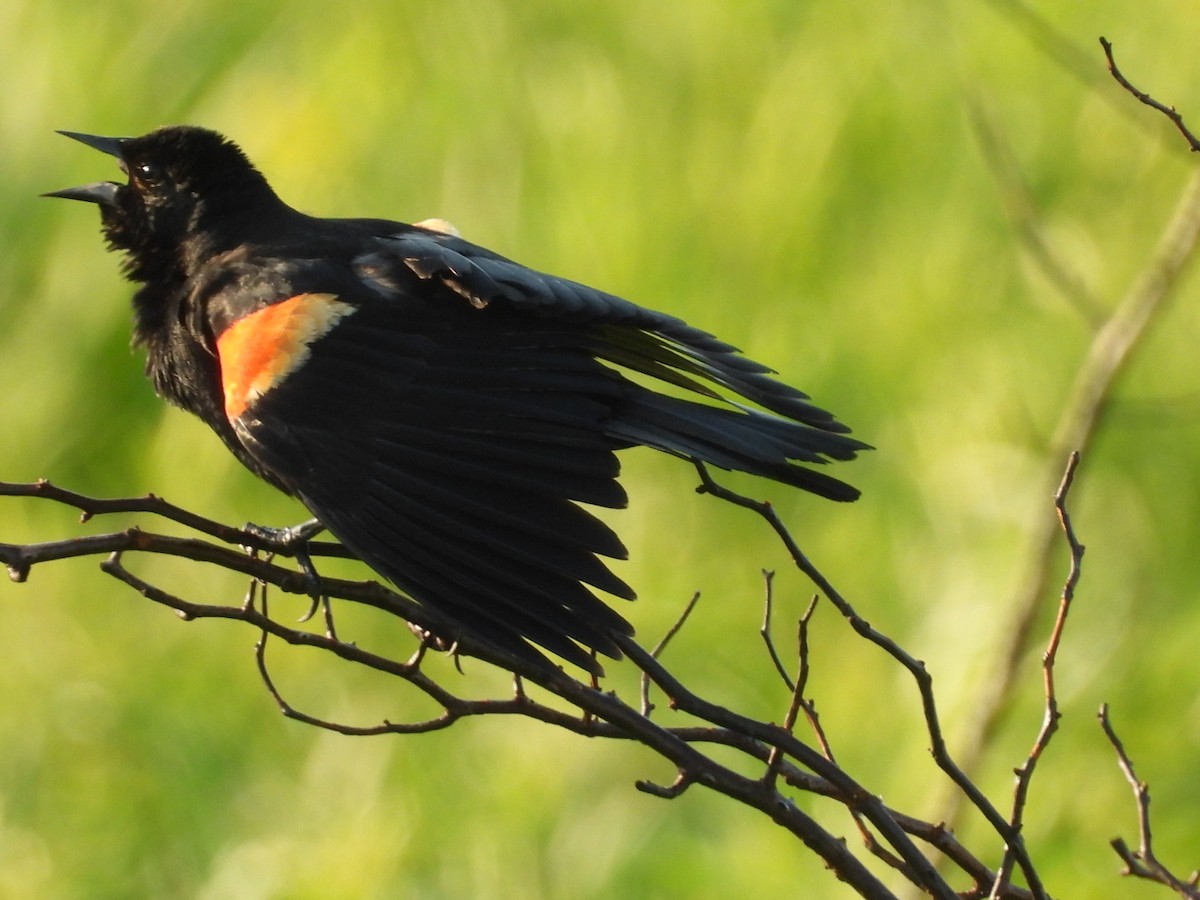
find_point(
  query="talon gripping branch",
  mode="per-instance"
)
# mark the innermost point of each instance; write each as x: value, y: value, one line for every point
x: 441, y: 409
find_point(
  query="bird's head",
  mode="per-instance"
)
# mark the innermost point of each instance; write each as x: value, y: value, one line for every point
x: 180, y: 179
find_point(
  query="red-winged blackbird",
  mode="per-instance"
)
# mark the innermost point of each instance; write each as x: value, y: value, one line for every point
x: 440, y: 409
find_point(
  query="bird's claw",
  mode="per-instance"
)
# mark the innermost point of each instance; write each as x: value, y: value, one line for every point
x: 293, y: 541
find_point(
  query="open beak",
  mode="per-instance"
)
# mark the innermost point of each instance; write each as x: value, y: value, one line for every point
x: 110, y: 145
x: 103, y: 193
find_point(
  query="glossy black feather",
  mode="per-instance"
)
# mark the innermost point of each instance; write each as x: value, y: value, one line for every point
x: 447, y: 428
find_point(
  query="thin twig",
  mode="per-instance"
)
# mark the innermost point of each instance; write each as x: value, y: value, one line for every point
x: 647, y: 706
x: 803, y: 654
x: 765, y: 629
x: 1024, y: 773
x: 1067, y: 53
x: 797, y: 689
x: 666, y: 792
x: 1169, y: 111
x: 1142, y: 863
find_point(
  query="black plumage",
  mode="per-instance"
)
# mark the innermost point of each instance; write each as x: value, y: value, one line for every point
x: 441, y: 409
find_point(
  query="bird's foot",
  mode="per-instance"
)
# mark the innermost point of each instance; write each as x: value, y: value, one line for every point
x: 293, y: 541
x: 288, y: 541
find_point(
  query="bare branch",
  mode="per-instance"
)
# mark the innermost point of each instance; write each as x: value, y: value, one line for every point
x: 1142, y: 863
x: 600, y: 713
x: 1052, y: 715
x: 915, y: 667
x: 647, y: 706
x: 668, y: 792
x: 90, y: 507
x: 1168, y: 111
x: 765, y: 629
x: 797, y: 688
x: 790, y: 763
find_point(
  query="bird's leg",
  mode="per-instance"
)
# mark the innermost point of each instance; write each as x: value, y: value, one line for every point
x: 293, y: 541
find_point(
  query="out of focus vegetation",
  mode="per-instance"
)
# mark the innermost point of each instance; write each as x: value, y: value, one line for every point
x: 805, y: 179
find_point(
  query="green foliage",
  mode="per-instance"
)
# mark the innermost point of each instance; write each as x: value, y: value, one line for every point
x: 801, y: 178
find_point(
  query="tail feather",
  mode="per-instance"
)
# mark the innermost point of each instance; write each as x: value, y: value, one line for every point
x: 679, y: 354
x: 740, y: 439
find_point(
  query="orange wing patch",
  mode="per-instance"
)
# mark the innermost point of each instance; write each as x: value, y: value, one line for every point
x: 260, y: 350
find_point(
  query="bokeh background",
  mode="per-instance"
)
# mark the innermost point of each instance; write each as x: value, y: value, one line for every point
x: 808, y: 180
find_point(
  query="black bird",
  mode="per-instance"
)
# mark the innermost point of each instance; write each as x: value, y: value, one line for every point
x: 440, y: 409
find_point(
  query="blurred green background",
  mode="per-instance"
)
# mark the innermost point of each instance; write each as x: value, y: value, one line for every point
x: 805, y: 179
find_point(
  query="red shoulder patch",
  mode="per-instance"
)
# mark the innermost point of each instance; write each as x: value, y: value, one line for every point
x: 259, y: 351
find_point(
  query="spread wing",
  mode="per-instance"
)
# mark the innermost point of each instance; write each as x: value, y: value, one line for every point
x: 775, y: 444
x: 449, y: 451
x: 622, y: 332
x: 444, y: 411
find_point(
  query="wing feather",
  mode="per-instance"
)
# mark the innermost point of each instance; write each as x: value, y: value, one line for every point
x: 450, y: 456
x: 447, y: 429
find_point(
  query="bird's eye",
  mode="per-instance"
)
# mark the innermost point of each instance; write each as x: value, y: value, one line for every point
x: 146, y: 173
